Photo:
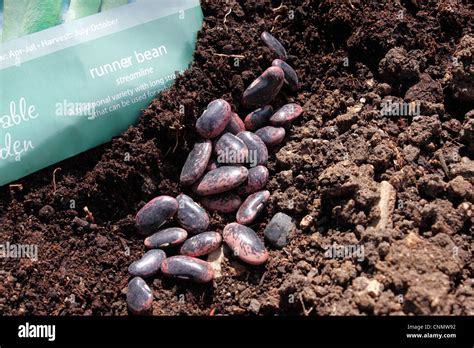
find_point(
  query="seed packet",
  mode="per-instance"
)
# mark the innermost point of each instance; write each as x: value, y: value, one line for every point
x: 75, y: 73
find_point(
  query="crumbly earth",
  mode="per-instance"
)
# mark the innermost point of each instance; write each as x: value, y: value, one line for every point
x: 401, y: 188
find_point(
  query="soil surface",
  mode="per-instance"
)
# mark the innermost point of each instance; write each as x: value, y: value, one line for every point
x: 401, y: 188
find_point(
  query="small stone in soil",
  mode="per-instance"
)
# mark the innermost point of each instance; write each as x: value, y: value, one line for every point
x: 191, y: 216
x: 223, y: 203
x: 252, y: 207
x: 257, y: 179
x: 155, y: 213
x: 291, y: 78
x: 275, y: 45
x: 139, y: 296
x: 236, y: 124
x: 220, y: 180
x: 148, y: 265
x: 196, y: 162
x: 258, y: 118
x: 278, y: 230
x: 258, y: 152
x: 286, y: 114
x: 214, y: 119
x: 189, y: 268
x: 230, y: 149
x: 166, y: 238
x: 245, y: 244
x: 271, y: 136
x: 201, y: 244
x: 265, y: 88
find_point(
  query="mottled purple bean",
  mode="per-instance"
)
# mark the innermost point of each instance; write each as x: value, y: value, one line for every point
x: 271, y: 136
x: 201, y: 244
x: 258, y: 118
x: 252, y: 207
x: 189, y: 268
x: 286, y: 114
x: 196, y: 162
x: 166, y: 238
x: 264, y: 88
x: 214, y: 119
x: 236, y: 124
x: 148, y: 265
x: 230, y: 150
x: 275, y: 45
x: 291, y: 78
x: 223, y: 203
x: 139, y: 296
x: 245, y: 244
x: 256, y: 180
x: 191, y: 216
x: 258, y: 152
x: 220, y: 180
x: 155, y: 213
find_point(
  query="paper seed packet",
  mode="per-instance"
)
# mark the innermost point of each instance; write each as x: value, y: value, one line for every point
x: 75, y: 73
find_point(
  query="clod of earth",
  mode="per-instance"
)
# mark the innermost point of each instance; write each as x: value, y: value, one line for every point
x: 279, y: 229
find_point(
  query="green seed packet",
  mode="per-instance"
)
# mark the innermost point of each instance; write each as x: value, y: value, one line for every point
x: 68, y: 86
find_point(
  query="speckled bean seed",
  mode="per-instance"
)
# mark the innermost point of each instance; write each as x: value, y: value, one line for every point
x: 196, y: 162
x: 236, y: 124
x: 155, y: 213
x: 252, y: 207
x: 230, y: 149
x: 186, y: 267
x: 245, y: 244
x: 166, y: 238
x: 264, y: 88
x: 139, y: 296
x: 201, y: 244
x: 258, y: 152
x: 214, y: 119
x: 271, y: 136
x: 275, y: 45
x: 286, y: 114
x: 191, y: 216
x: 220, y: 180
x: 223, y: 203
x: 258, y: 118
x: 148, y: 265
x: 291, y: 78
x: 256, y: 180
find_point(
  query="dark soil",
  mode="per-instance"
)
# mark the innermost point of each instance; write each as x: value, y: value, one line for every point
x: 327, y: 174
